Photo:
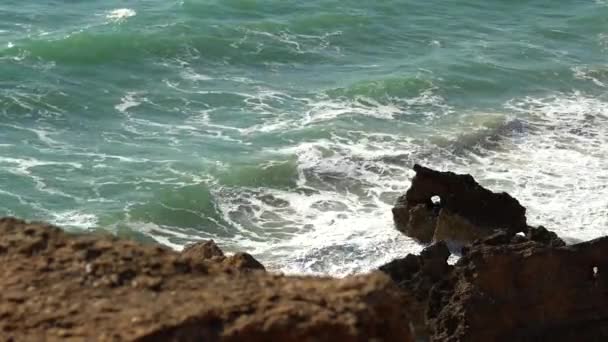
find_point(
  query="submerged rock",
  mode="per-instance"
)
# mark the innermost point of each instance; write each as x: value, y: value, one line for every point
x: 462, y: 212
x: 524, y: 290
x: 56, y: 286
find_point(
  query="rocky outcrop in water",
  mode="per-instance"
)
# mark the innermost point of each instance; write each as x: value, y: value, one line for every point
x: 444, y: 206
x: 57, y: 287
x: 505, y: 287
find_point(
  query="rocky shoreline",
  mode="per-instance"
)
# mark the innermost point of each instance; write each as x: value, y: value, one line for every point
x: 513, y: 282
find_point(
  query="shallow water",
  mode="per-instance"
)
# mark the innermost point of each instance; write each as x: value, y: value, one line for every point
x: 288, y: 128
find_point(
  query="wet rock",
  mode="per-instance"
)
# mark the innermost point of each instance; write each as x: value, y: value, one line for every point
x: 416, y: 275
x: 465, y: 211
x: 524, y: 290
x: 56, y: 286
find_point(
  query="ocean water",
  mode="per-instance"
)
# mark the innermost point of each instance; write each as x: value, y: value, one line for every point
x: 288, y: 128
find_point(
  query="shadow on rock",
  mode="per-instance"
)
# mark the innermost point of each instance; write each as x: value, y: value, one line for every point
x: 444, y: 206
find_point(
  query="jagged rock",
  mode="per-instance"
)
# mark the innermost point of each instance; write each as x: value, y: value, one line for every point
x: 421, y: 222
x: 515, y: 289
x: 243, y: 261
x: 57, y: 287
x: 208, y: 250
x: 543, y: 235
x: 534, y: 236
x: 203, y: 250
x: 471, y: 210
x: 416, y: 275
x: 457, y: 229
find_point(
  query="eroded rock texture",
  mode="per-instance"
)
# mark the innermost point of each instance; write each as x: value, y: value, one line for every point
x: 465, y: 211
x: 517, y: 289
x: 208, y: 250
x: 60, y: 287
x: 416, y: 275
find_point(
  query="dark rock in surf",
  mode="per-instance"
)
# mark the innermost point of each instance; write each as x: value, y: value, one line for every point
x: 465, y: 211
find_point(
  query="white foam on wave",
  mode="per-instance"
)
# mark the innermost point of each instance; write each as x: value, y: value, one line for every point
x: 339, y: 221
x: 330, y: 109
x: 120, y: 14
x: 325, y: 109
x: 191, y: 75
x: 427, y: 103
x: 74, y: 219
x: 127, y: 102
x: 587, y: 73
x: 555, y: 168
x: 22, y: 166
x: 296, y: 43
x: 343, y: 225
x: 43, y: 134
x: 560, y: 173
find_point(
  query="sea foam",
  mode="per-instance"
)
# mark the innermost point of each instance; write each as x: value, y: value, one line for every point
x: 120, y: 14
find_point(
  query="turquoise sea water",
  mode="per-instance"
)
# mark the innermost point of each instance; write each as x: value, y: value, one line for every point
x: 288, y: 128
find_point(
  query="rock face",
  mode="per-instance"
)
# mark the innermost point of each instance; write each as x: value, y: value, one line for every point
x: 506, y: 288
x: 517, y: 289
x: 208, y: 250
x: 56, y: 286
x: 416, y: 275
x: 465, y: 211
x: 203, y: 250
x: 544, y: 236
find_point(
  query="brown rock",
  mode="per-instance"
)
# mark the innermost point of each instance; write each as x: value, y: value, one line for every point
x: 421, y: 222
x: 416, y: 275
x: 208, y: 250
x: 524, y: 291
x: 243, y: 261
x: 457, y: 229
x: 203, y: 250
x: 57, y: 287
x: 462, y: 201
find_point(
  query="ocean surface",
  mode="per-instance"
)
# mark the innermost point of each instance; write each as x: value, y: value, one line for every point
x: 287, y: 128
